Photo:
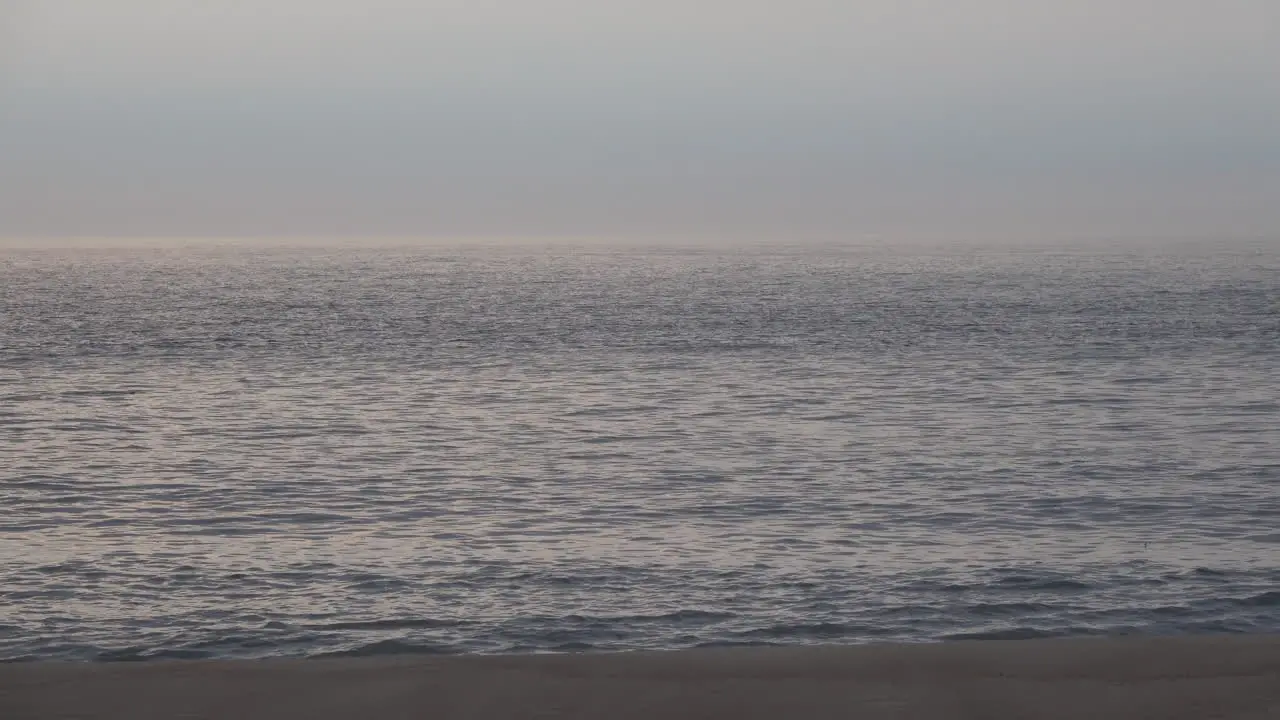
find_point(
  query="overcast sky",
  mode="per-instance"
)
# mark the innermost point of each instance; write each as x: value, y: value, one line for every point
x: 700, y: 117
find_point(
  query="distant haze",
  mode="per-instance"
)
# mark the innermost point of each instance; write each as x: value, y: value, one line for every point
x: 698, y: 117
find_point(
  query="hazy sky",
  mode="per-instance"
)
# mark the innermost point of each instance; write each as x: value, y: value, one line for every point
x: 721, y: 117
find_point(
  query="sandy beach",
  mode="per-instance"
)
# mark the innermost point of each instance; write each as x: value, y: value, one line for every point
x: 1199, y: 677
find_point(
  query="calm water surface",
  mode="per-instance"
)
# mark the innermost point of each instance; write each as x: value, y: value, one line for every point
x: 251, y: 450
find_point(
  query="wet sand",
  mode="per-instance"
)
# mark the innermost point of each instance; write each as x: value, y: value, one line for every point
x: 1192, y: 678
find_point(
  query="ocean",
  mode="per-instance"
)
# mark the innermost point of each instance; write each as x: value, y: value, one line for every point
x: 251, y: 449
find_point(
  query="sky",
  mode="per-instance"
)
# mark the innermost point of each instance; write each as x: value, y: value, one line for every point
x: 725, y: 118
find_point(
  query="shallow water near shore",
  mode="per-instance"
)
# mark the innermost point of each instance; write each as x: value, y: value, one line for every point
x: 249, y: 450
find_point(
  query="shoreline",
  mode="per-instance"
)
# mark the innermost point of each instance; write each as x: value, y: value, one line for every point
x: 1235, y: 676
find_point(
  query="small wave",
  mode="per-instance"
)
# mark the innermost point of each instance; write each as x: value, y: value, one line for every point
x: 1200, y: 574
x: 139, y: 654
x: 1018, y: 633
x: 1266, y: 599
x: 68, y: 567
x: 835, y: 417
x: 389, y: 624
x: 811, y: 630
x: 22, y: 397
x: 367, y: 582
x: 566, y: 647
x: 99, y: 393
x: 621, y: 410
x: 390, y: 647
x: 688, y: 616
x: 1172, y: 611
x: 304, y: 518
x: 1140, y: 380
x: 1013, y: 608
x: 1031, y: 582
x: 932, y: 586
x: 914, y: 610
x: 735, y: 643
x: 573, y: 647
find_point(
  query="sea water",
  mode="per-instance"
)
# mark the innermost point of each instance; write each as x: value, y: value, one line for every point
x: 255, y: 449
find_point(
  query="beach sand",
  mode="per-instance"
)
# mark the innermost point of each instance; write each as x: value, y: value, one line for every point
x: 1194, y: 678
